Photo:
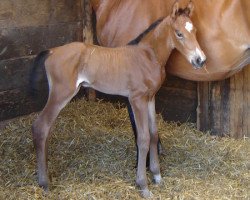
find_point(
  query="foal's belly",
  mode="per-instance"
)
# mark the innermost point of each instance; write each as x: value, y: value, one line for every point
x: 111, y: 89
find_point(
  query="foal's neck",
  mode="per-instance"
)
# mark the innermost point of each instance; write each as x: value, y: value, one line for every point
x: 160, y: 41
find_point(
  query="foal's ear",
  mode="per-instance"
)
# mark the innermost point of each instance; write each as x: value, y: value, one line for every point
x: 175, y: 10
x: 190, y: 8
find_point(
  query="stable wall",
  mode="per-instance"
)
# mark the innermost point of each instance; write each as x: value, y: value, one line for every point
x: 26, y: 28
x: 177, y: 100
x: 224, y: 106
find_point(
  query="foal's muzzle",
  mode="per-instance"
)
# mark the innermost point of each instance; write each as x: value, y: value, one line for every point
x: 198, y: 62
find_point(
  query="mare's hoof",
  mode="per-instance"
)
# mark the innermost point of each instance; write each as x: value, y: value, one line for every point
x: 157, y: 179
x: 146, y: 193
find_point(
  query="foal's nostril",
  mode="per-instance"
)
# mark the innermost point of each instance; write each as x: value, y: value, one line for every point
x: 202, y: 63
x: 198, y: 61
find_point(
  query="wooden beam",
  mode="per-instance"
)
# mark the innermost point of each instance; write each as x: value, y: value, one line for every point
x: 88, y: 36
x: 224, y: 106
x: 203, y: 116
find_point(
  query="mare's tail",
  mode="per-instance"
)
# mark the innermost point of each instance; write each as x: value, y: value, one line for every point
x: 37, y: 64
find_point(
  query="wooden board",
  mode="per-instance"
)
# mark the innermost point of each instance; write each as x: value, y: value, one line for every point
x: 224, y: 106
x: 17, y: 102
x: 177, y: 100
x: 24, y: 41
x: 26, y: 28
x: 35, y: 13
x: 239, y: 124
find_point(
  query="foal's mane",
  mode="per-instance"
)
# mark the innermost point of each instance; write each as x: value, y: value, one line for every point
x: 145, y: 32
x: 184, y: 12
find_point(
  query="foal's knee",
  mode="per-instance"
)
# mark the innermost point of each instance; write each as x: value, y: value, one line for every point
x: 143, y: 144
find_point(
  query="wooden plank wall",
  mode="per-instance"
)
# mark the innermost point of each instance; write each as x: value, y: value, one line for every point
x: 177, y: 100
x: 224, y: 106
x: 26, y: 28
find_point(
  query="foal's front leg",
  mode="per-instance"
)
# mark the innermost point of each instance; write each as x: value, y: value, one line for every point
x: 154, y: 165
x: 140, y: 109
x: 132, y: 121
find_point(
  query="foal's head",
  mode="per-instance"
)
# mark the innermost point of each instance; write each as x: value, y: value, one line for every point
x: 184, y: 35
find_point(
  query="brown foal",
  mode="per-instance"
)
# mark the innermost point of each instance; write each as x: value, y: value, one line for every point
x: 134, y: 71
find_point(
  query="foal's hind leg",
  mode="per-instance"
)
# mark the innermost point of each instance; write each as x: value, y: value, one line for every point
x: 154, y: 160
x: 58, y: 98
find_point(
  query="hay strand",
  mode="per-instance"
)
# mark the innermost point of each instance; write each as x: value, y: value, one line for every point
x: 92, y: 156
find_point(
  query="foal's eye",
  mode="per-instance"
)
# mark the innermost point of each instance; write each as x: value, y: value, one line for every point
x: 179, y: 34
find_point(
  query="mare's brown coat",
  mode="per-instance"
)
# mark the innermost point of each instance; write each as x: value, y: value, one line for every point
x: 223, y: 32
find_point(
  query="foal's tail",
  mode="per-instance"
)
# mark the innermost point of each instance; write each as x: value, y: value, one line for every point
x: 37, y: 64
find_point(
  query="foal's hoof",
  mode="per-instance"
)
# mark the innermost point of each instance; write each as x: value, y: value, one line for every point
x: 44, y: 186
x: 146, y: 193
x: 157, y: 179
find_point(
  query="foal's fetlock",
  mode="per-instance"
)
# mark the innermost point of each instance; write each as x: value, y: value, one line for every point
x: 156, y: 175
x: 44, y: 185
x: 143, y: 185
x: 157, y: 178
x: 155, y: 170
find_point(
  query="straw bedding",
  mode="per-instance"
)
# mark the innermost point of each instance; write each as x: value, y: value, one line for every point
x: 92, y: 156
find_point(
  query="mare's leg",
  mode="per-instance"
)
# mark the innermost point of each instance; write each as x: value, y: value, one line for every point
x: 140, y: 108
x: 154, y: 160
x: 59, y: 96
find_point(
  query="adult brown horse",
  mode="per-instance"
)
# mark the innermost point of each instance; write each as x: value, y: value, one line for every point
x: 223, y: 32
x: 135, y: 71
